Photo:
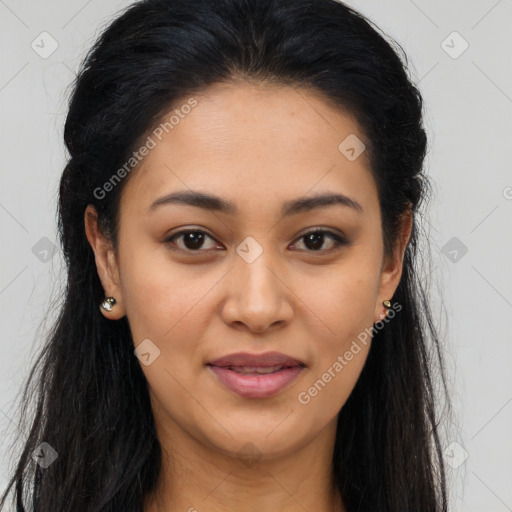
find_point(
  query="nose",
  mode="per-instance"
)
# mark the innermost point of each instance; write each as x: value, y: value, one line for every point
x: 258, y: 297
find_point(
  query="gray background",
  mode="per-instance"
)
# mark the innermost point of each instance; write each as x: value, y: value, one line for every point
x: 468, y: 97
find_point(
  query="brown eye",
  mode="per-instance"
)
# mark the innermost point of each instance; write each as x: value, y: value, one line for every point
x: 192, y: 240
x: 314, y: 240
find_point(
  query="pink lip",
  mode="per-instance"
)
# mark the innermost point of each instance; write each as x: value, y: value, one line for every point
x: 255, y: 385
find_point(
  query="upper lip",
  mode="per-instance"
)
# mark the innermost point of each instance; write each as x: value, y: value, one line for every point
x: 263, y: 360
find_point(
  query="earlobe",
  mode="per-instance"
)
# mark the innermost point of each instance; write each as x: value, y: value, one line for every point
x: 387, y: 306
x: 106, y: 266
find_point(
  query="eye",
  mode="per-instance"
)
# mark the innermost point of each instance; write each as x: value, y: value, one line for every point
x: 192, y: 239
x: 315, y: 239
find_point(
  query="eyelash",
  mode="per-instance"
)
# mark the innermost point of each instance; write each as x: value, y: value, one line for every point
x: 338, y: 239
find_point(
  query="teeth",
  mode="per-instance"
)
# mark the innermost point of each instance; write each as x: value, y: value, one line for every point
x: 253, y: 369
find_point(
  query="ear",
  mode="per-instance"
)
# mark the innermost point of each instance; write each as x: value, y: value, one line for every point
x: 392, y: 266
x: 106, y: 263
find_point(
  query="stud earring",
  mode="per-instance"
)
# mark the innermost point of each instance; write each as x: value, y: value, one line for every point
x: 108, y: 303
x: 387, y: 306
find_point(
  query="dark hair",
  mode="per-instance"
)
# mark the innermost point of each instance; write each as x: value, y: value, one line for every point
x: 92, y: 397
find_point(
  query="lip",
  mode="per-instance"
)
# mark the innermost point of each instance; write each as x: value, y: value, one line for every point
x: 256, y: 385
x: 263, y: 360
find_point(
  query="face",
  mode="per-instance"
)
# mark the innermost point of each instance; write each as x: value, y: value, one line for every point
x: 241, y: 272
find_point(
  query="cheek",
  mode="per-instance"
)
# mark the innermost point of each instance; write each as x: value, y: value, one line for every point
x: 162, y: 300
x: 165, y: 304
x: 345, y: 305
x: 344, y: 299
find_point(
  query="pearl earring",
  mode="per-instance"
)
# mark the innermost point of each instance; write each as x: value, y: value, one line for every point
x: 108, y: 303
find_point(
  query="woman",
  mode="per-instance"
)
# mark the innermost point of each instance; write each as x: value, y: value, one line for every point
x: 243, y: 326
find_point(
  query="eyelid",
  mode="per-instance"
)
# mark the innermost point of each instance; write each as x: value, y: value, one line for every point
x: 323, y: 229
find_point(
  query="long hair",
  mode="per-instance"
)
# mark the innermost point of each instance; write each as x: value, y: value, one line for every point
x: 91, y: 397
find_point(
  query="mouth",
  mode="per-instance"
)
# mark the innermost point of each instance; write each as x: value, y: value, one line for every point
x: 256, y: 370
x: 256, y: 375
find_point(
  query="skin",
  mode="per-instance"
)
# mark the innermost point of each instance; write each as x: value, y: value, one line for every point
x: 257, y: 145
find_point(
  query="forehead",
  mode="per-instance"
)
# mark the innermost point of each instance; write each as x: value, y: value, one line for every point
x: 253, y: 144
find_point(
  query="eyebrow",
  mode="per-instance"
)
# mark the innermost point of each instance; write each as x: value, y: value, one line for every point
x: 214, y: 203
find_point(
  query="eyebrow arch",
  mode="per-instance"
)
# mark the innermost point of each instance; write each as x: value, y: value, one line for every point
x: 293, y: 207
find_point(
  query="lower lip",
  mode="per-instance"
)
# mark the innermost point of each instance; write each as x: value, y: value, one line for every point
x: 257, y: 385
